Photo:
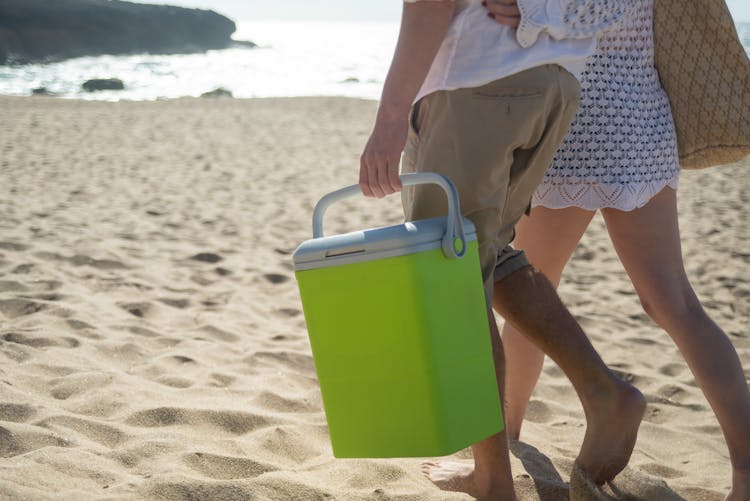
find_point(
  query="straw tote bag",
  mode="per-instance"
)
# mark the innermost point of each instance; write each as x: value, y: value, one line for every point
x: 706, y: 73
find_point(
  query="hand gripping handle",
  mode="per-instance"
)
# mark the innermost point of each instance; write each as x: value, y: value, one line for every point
x: 454, y: 228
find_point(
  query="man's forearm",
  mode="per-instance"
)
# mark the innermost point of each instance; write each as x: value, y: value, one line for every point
x: 423, y: 27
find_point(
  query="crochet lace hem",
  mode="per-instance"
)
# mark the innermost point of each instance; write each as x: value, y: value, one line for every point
x: 593, y: 195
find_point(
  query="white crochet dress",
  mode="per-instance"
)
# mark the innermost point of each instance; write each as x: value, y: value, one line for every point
x: 621, y: 149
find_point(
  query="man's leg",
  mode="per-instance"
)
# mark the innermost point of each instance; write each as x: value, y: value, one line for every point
x: 526, y: 299
x: 484, y: 139
x: 613, y: 408
x: 548, y: 237
x: 453, y: 135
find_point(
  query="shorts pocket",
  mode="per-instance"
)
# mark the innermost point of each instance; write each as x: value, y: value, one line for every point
x: 414, y: 118
x: 510, y: 93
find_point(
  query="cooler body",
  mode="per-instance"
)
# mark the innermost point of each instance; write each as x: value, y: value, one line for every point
x: 400, y: 340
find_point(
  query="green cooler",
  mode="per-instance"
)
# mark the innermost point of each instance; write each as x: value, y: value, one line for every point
x: 398, y: 328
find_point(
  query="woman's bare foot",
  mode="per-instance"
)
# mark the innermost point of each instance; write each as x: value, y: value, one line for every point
x: 461, y: 477
x: 613, y: 418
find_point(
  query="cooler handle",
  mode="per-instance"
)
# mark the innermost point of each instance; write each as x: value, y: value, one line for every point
x: 453, y: 231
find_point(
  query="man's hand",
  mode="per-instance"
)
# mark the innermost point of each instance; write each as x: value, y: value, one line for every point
x: 379, y: 163
x: 505, y: 12
x: 423, y: 26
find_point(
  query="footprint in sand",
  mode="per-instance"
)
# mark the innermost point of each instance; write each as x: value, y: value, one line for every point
x: 276, y: 278
x: 175, y: 303
x: 288, y: 266
x: 63, y: 388
x: 180, y: 359
x: 142, y: 331
x: 100, y: 264
x: 13, y: 308
x: 375, y: 472
x: 12, y: 246
x: 17, y: 413
x: 671, y: 392
x: 201, y: 279
x: 738, y: 334
x: 289, y: 312
x: 285, y: 359
x: 223, y: 272
x: 17, y: 439
x: 78, y: 324
x: 22, y: 269
x: 41, y: 342
x: 49, y: 296
x: 539, y: 412
x: 221, y: 380
x: 207, y: 257
x: 709, y: 429
x: 47, y: 285
x: 658, y: 399
x: 673, y: 370
x: 225, y: 467
x: 175, y: 382
x: 15, y: 352
x: 660, y: 470
x: 132, y: 456
x: 234, y: 422
x: 641, y: 340
x: 275, y: 441
x: 656, y: 415
x: 139, y: 310
x: 100, y: 433
x: 196, y: 489
x: 635, y: 484
x: 276, y: 402
x: 642, y: 318
x: 80, y: 260
x: 11, y: 286
x: 220, y: 334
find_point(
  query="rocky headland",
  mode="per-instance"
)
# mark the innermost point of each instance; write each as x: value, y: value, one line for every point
x: 34, y: 31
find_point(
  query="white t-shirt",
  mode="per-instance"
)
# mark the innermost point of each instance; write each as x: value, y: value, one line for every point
x: 477, y: 50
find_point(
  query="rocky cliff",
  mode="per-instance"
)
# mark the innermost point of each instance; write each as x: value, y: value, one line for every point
x: 50, y: 30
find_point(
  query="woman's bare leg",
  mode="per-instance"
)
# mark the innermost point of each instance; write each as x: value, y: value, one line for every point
x: 647, y: 240
x: 549, y: 237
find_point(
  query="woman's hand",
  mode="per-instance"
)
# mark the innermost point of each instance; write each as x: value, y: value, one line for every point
x: 505, y: 12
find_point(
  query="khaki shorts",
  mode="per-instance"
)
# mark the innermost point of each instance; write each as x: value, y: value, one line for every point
x: 495, y: 142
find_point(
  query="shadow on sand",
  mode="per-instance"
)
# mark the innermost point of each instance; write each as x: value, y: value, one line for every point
x: 631, y: 485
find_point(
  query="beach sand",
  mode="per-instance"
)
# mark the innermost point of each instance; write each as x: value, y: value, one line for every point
x: 152, y: 343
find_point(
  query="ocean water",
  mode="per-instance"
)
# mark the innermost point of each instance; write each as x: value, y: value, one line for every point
x: 744, y: 31
x: 293, y: 59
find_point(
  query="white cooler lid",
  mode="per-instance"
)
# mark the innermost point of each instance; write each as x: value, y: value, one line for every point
x: 376, y: 243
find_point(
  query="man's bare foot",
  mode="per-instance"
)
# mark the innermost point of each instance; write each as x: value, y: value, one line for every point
x: 613, y: 418
x: 461, y: 477
x: 740, y: 486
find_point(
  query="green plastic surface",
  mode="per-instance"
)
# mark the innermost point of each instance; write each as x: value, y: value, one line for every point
x: 403, y: 354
